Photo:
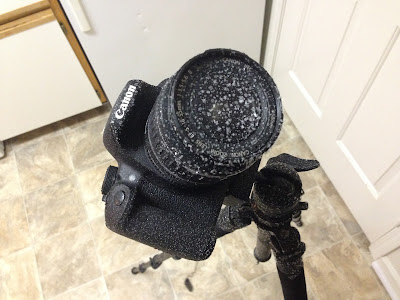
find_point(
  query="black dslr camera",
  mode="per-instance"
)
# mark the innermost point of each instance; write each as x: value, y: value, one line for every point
x: 186, y: 145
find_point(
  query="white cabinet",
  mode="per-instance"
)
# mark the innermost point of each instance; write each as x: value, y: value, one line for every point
x: 41, y: 80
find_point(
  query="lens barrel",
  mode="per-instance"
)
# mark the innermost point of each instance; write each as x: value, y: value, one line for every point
x: 213, y: 119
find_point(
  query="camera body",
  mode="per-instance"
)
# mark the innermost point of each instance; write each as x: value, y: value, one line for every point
x: 144, y: 205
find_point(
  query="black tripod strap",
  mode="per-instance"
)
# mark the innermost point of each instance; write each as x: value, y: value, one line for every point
x: 293, y: 289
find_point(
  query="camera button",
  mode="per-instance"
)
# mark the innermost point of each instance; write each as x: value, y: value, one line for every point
x: 119, y: 197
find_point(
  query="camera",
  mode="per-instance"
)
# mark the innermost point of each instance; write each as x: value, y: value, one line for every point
x: 186, y: 146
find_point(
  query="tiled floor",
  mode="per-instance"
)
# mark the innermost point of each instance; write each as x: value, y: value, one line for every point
x: 54, y: 244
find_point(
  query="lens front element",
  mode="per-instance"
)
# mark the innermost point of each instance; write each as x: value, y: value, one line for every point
x: 214, y: 118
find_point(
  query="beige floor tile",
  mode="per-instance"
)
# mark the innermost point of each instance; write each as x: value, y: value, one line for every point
x: 341, y: 209
x: 231, y: 295
x: 186, y: 295
x: 241, y: 259
x: 19, y: 276
x: 54, y: 209
x: 90, y: 182
x: 43, y: 163
x: 299, y: 148
x: 308, y: 179
x: 116, y: 251
x: 320, y: 176
x: 9, y: 179
x: 96, y: 289
x: 153, y: 284
x: 86, y: 147
x: 67, y: 260
x: 291, y: 130
x: 322, y: 227
x: 34, y: 136
x: 249, y: 235
x: 362, y: 243
x: 86, y: 117
x: 340, y: 272
x: 14, y: 231
x: 209, y: 278
x: 266, y: 287
x: 313, y: 178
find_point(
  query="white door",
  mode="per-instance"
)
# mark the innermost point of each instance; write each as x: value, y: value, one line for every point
x: 337, y: 66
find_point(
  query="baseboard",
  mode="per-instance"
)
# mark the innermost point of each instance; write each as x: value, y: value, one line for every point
x: 388, y: 276
x: 386, y: 244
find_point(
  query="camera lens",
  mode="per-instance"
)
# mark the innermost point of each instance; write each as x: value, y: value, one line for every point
x: 213, y: 119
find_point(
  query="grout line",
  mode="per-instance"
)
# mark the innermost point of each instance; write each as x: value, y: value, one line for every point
x: 32, y: 240
x: 75, y: 288
x: 67, y: 177
x: 103, y: 279
x: 88, y: 221
x: 346, y: 233
x: 238, y: 285
x: 58, y: 234
x: 70, y: 155
x: 67, y: 129
x: 36, y: 140
x: 24, y: 194
x: 333, y: 208
x: 69, y: 152
x: 88, y: 123
x: 170, y: 281
x: 18, y: 175
x: 99, y: 262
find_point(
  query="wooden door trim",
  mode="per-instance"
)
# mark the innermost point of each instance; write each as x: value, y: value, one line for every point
x: 24, y: 12
x: 25, y: 18
x: 77, y: 48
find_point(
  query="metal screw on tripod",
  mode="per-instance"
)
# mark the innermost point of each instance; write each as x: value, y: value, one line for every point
x: 119, y: 197
x: 296, y: 218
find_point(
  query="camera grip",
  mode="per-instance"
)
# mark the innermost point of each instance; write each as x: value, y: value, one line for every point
x: 187, y: 232
x: 167, y: 232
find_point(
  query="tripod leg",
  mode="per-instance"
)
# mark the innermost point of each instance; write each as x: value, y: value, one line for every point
x: 154, y: 262
x: 293, y: 288
x: 288, y: 250
x: 262, y: 251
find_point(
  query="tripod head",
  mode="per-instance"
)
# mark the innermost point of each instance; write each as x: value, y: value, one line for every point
x: 184, y: 146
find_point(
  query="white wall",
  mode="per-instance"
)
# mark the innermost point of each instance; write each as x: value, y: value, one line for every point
x: 150, y: 40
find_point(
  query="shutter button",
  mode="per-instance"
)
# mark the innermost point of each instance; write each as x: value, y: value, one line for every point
x: 119, y: 197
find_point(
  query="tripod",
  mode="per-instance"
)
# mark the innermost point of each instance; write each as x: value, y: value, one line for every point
x: 273, y: 204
